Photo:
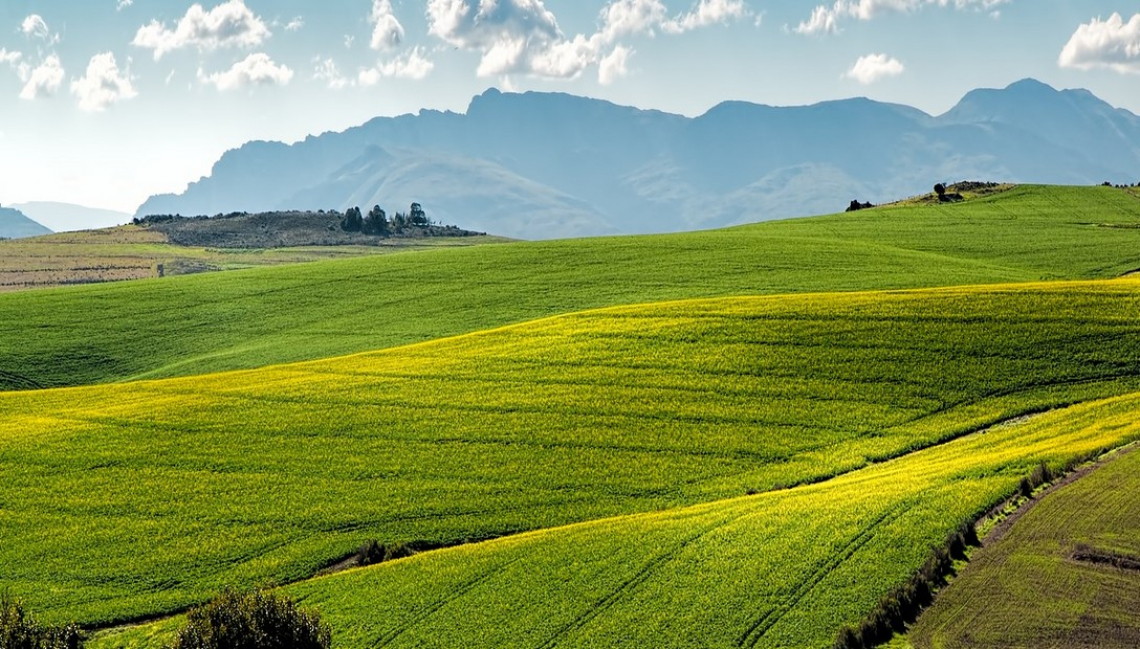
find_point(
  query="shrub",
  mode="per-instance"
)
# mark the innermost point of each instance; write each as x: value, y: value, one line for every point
x: 18, y: 630
x: 252, y: 620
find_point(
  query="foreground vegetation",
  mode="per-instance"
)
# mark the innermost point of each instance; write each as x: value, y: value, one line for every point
x: 129, y: 500
x: 1067, y: 574
x: 193, y: 325
x: 780, y: 569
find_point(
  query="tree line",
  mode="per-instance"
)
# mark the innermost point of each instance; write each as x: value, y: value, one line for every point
x: 376, y: 222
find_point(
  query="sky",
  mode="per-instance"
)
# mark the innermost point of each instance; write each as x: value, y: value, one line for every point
x: 106, y: 102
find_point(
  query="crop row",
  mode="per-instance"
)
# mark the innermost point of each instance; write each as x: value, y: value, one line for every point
x: 134, y: 499
x: 781, y: 569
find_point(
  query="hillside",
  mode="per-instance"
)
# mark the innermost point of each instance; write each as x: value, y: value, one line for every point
x: 1067, y: 574
x: 142, y: 498
x: 542, y: 166
x: 130, y: 252
x: 244, y: 319
x: 15, y: 225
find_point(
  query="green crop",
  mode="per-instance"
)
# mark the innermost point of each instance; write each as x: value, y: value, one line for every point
x: 126, y: 500
x: 243, y: 319
x: 780, y: 569
x: 1065, y: 575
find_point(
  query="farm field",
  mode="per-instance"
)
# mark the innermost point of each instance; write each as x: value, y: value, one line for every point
x: 251, y: 318
x: 1066, y: 575
x: 129, y: 500
x: 779, y: 569
x: 130, y: 253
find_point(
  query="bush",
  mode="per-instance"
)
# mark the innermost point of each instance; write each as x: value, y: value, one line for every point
x: 18, y: 630
x: 252, y: 620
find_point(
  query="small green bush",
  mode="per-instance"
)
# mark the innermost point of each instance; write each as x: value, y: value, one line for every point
x: 252, y: 620
x: 19, y: 630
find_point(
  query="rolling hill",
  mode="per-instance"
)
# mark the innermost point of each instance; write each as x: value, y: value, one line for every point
x: 130, y: 500
x: 550, y: 165
x: 245, y: 319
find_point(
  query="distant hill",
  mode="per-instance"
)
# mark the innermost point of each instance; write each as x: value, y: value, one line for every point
x: 14, y: 224
x: 65, y: 217
x: 538, y: 165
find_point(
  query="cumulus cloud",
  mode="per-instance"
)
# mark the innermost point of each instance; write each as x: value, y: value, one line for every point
x: 615, y: 65
x: 707, y: 12
x: 825, y: 19
x: 411, y: 65
x: 255, y: 70
x: 295, y: 24
x: 869, y: 69
x: 103, y: 85
x: 230, y: 24
x: 523, y: 36
x: 1111, y: 44
x: 387, y: 32
x: 42, y: 81
x: 123, y: 4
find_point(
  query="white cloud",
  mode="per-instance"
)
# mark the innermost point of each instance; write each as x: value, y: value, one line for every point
x: 230, y: 24
x: 255, y: 70
x: 614, y: 66
x: 706, y: 13
x: 387, y: 32
x: 869, y: 69
x: 1112, y: 44
x: 825, y: 19
x: 411, y: 65
x: 11, y: 58
x: 103, y: 85
x: 326, y: 70
x: 123, y: 4
x: 523, y: 36
x: 44, y: 80
x: 294, y: 25
x: 35, y: 26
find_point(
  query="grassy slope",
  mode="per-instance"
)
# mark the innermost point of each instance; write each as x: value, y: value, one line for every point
x: 132, y: 499
x: 780, y: 569
x: 129, y: 252
x: 1026, y: 590
x: 185, y: 326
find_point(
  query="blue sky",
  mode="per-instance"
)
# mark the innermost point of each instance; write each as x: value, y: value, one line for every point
x: 105, y: 102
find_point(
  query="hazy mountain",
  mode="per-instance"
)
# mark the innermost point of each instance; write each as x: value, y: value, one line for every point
x: 539, y: 165
x: 65, y: 217
x: 15, y: 225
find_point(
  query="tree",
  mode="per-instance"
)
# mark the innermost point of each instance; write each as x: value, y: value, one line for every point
x: 353, y: 220
x: 249, y: 620
x: 19, y: 630
x: 417, y: 216
x: 940, y: 189
x: 376, y: 222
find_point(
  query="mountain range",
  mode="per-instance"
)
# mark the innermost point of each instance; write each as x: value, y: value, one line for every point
x: 65, y: 217
x: 14, y: 224
x: 546, y: 165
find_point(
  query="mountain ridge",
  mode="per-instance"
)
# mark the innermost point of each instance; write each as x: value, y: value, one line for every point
x: 545, y: 165
x: 14, y: 224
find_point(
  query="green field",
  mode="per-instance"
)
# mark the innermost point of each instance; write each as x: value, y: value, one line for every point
x: 128, y: 500
x: 1051, y: 581
x: 780, y: 569
x: 733, y: 438
x: 244, y: 319
x: 130, y: 253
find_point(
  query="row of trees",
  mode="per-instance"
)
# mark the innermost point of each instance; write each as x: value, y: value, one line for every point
x: 377, y: 223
